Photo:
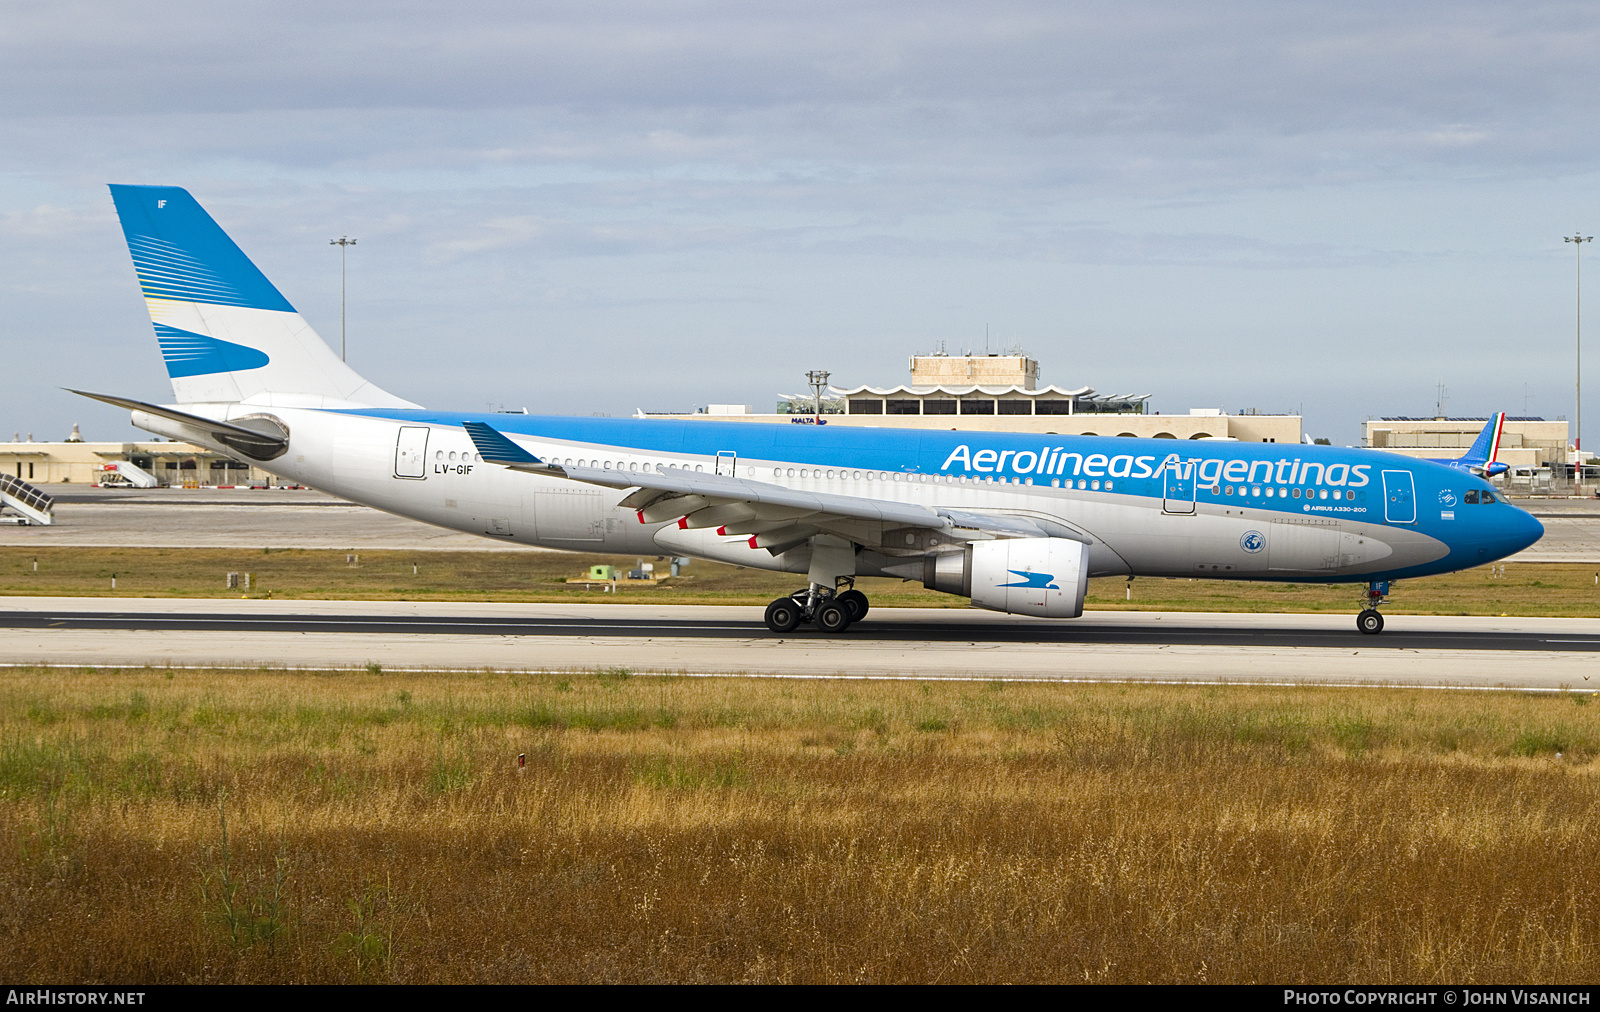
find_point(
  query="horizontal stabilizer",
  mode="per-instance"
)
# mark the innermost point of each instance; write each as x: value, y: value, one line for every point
x: 253, y: 442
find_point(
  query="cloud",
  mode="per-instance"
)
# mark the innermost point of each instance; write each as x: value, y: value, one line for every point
x: 1180, y: 179
x: 631, y: 84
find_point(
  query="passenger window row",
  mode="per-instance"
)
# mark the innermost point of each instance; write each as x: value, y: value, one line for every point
x: 1286, y: 493
x: 622, y: 465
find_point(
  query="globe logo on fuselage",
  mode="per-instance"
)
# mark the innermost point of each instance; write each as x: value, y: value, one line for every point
x: 1253, y: 541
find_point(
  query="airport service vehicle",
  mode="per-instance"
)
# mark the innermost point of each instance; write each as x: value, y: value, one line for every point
x: 1016, y: 523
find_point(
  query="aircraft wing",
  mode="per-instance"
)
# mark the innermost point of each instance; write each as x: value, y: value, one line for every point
x: 775, y: 517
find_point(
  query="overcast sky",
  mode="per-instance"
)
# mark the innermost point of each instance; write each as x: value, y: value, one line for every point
x: 594, y: 207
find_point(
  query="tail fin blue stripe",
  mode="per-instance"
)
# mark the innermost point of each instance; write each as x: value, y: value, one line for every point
x: 167, y: 272
x: 181, y: 253
x: 191, y: 354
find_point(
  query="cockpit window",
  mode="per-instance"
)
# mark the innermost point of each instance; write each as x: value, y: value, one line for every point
x: 1486, y: 496
x: 1471, y: 498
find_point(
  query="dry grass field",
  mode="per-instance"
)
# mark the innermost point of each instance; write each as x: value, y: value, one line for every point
x: 369, y: 826
x: 1525, y: 589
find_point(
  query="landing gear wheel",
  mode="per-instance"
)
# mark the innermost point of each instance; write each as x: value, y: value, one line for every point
x: 1370, y: 622
x: 783, y: 615
x: 856, y: 602
x: 832, y: 617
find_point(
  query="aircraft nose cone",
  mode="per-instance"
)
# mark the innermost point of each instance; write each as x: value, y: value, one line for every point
x: 1523, y: 530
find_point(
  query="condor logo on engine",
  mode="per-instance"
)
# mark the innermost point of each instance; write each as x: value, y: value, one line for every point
x: 1046, y: 577
x: 1038, y: 580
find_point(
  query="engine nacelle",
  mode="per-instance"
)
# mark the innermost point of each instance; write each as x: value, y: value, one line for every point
x: 1047, y: 577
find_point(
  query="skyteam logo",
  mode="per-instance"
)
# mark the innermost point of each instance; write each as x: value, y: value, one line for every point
x: 1447, y: 498
x: 1032, y: 581
x: 1253, y: 541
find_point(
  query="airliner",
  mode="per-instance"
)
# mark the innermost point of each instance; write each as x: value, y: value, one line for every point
x: 1016, y: 523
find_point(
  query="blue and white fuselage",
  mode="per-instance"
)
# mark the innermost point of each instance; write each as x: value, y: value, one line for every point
x: 1153, y: 507
x: 1017, y: 522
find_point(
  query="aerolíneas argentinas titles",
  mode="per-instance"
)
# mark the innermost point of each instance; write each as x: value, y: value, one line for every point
x: 1015, y: 522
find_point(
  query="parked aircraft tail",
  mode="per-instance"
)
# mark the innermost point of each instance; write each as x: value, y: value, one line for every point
x: 1482, y: 456
x: 226, y: 333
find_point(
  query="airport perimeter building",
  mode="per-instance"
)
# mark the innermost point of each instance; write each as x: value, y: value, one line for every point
x: 1525, y: 443
x: 87, y: 463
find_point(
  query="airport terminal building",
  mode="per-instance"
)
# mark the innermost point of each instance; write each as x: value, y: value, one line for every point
x: 1000, y: 393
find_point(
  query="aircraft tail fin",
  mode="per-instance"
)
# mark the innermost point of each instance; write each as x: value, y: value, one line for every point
x: 1486, y: 447
x: 226, y: 333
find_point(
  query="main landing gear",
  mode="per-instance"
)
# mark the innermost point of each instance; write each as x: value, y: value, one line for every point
x: 831, y: 611
x: 1370, y: 621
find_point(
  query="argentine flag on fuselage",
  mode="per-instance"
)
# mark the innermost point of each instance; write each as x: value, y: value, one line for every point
x: 226, y: 334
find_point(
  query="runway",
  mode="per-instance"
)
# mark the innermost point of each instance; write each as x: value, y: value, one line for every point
x: 916, y: 643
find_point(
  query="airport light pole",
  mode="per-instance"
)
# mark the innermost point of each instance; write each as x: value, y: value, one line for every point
x: 818, y: 378
x: 344, y: 242
x: 1578, y: 239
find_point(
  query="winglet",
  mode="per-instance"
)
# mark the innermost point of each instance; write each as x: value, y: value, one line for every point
x: 494, y: 447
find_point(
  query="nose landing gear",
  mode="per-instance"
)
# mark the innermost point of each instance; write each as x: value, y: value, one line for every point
x: 1370, y: 621
x: 832, y: 611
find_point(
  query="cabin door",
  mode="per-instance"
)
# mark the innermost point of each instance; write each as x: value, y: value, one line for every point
x: 1399, y: 497
x: 1178, y: 495
x: 411, y: 452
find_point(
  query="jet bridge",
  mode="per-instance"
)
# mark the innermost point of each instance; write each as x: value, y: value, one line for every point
x: 34, y: 505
